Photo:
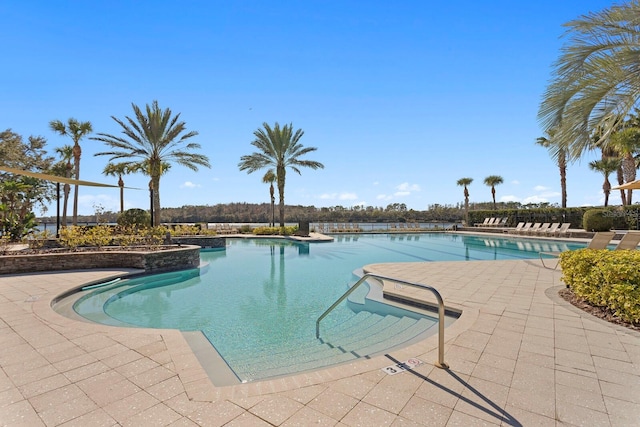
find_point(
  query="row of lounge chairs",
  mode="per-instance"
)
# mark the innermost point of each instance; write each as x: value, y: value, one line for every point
x: 601, y: 240
x: 406, y: 226
x: 345, y: 227
x: 492, y: 222
x: 224, y: 228
x: 542, y: 229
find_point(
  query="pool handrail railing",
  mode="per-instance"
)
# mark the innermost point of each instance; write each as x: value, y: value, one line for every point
x: 441, y: 310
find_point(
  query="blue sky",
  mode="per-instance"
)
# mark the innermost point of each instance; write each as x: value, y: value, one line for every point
x: 401, y: 99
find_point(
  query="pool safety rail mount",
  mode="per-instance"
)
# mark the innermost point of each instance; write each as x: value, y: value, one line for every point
x: 440, y: 363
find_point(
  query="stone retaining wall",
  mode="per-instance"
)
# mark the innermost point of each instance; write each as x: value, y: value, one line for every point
x: 165, y: 259
x: 205, y: 242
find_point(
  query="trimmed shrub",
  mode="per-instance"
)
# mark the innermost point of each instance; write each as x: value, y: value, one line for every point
x: 597, y: 220
x: 134, y: 218
x: 605, y: 278
x: 275, y: 231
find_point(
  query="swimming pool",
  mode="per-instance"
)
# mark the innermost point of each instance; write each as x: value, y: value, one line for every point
x: 258, y: 300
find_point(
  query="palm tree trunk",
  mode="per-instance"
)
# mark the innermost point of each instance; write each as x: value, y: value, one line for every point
x: 121, y: 185
x: 77, y: 153
x: 623, y: 195
x: 563, y: 180
x: 156, y: 200
x: 281, y: 177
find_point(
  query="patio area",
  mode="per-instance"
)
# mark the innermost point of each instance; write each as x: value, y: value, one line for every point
x: 518, y: 355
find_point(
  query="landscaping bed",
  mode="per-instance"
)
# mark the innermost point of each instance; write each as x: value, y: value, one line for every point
x: 155, y: 258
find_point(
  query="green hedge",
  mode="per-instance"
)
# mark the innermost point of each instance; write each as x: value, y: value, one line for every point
x: 605, y: 278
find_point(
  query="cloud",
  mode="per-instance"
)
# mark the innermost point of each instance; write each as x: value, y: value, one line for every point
x: 515, y: 182
x: 534, y: 199
x: 384, y: 197
x: 540, y: 188
x: 348, y: 196
x: 189, y: 184
x: 405, y: 187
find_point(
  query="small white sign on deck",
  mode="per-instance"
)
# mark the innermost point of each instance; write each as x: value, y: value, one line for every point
x: 402, y: 366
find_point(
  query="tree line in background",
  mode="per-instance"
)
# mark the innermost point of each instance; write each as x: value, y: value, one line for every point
x: 261, y: 213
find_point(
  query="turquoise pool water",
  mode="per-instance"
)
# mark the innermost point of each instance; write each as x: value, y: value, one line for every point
x: 261, y: 297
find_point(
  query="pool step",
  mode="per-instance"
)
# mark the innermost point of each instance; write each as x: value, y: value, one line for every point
x: 365, y: 335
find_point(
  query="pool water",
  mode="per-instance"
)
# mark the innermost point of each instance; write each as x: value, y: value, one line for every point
x: 257, y: 301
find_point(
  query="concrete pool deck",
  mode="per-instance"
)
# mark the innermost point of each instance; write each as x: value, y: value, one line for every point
x: 518, y: 355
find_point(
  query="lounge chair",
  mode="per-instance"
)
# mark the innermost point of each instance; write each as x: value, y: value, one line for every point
x: 482, y: 224
x: 517, y: 228
x: 531, y: 231
x: 552, y: 229
x: 543, y: 229
x: 600, y: 240
x: 500, y: 222
x: 629, y: 241
x: 563, y: 230
x: 525, y: 228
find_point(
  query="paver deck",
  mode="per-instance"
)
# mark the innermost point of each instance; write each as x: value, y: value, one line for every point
x: 518, y: 355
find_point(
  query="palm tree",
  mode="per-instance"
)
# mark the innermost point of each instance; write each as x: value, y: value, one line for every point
x: 270, y: 178
x: 154, y: 137
x: 119, y: 169
x: 492, y: 181
x: 279, y: 148
x: 627, y: 142
x: 464, y: 182
x: 606, y: 165
x: 66, y: 153
x: 559, y: 154
x: 596, y: 80
x: 76, y: 131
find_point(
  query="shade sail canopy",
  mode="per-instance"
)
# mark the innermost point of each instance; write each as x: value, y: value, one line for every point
x: 61, y: 179
x: 633, y: 185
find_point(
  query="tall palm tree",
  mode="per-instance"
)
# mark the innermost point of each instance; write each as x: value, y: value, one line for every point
x: 66, y: 153
x: 464, y: 182
x: 279, y: 148
x: 76, y: 130
x: 596, y: 80
x: 559, y: 154
x: 492, y: 181
x: 270, y: 178
x: 153, y: 136
x: 627, y: 143
x: 606, y: 166
x: 120, y: 169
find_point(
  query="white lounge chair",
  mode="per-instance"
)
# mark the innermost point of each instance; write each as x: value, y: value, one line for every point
x: 563, y: 230
x: 600, y: 240
x: 552, y: 229
x: 534, y: 228
x: 517, y: 228
x: 629, y: 241
x: 543, y: 229
x: 525, y: 228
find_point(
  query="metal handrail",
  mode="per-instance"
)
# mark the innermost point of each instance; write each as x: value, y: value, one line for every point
x: 440, y: 363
